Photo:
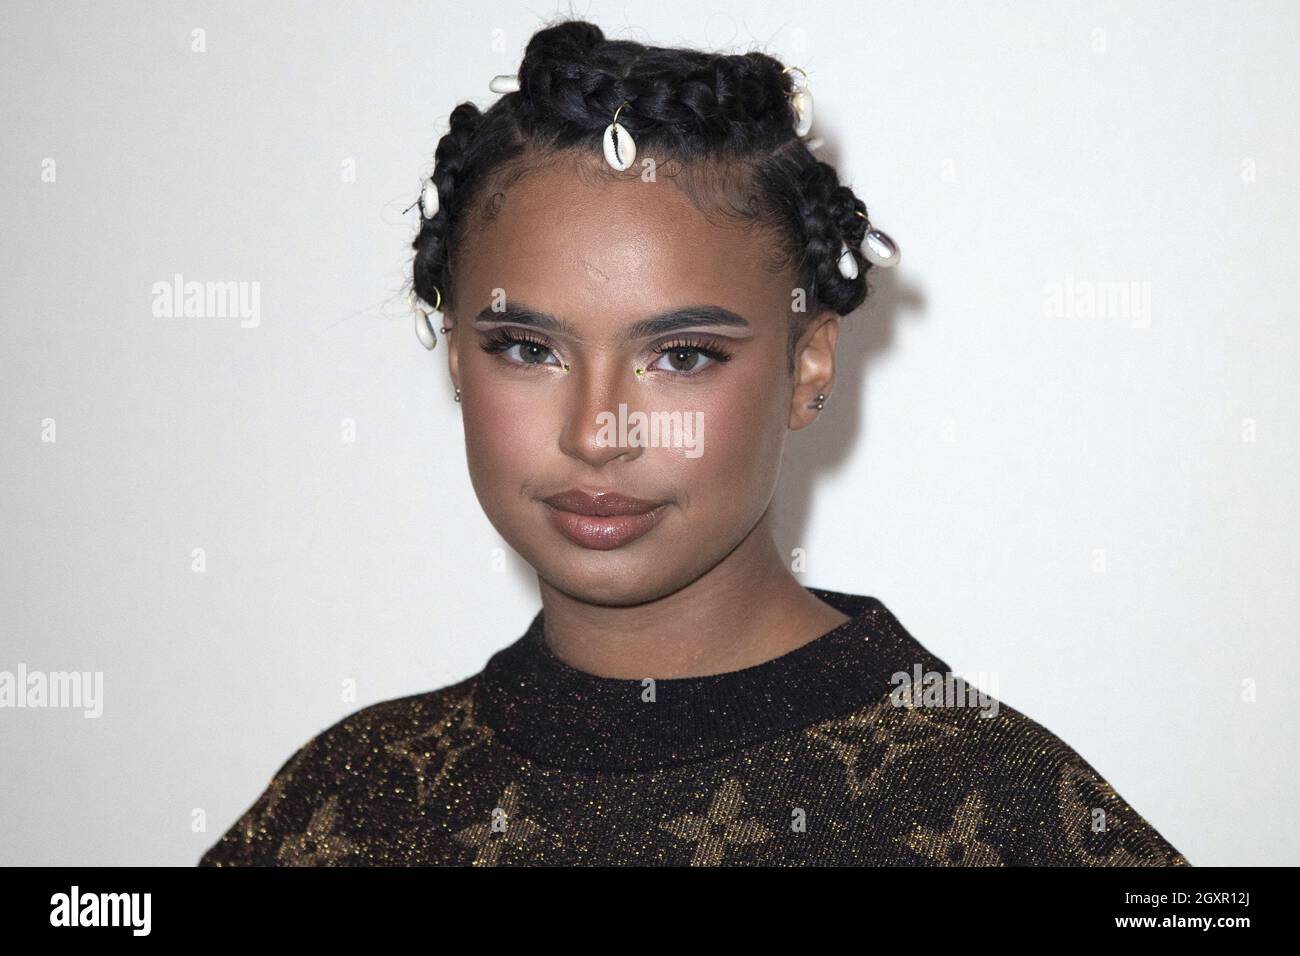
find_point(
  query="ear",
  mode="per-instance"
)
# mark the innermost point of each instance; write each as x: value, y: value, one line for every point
x: 814, y: 367
x: 453, y: 352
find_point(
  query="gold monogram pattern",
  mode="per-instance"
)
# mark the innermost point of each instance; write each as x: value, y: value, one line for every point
x: 508, y: 827
x: 1086, y: 804
x: 318, y: 845
x: 723, y: 824
x: 434, y: 752
x: 869, y: 742
x: 959, y: 844
x: 885, y: 784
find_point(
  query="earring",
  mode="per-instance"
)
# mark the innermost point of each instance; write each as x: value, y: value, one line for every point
x: 620, y: 148
x: 458, y: 393
x: 819, y: 404
x: 423, y: 327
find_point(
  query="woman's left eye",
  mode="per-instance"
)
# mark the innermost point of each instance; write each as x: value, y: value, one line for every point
x: 683, y: 357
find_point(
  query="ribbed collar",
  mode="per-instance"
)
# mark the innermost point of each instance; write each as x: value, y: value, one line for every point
x: 563, y: 717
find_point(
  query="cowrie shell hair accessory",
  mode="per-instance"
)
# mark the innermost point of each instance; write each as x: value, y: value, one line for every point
x: 802, y: 101
x: 428, y: 199
x: 424, y: 327
x: 880, y: 249
x: 877, y: 246
x: 848, y: 265
x: 620, y: 148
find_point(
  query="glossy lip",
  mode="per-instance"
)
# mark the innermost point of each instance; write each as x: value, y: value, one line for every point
x: 601, y: 520
x: 599, y: 503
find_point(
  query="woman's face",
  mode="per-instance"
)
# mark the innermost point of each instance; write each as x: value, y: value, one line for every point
x: 542, y: 415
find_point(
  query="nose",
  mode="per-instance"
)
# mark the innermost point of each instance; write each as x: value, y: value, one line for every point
x: 591, y: 402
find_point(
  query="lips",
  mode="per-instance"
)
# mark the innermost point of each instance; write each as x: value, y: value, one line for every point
x: 600, y: 503
x: 602, y: 520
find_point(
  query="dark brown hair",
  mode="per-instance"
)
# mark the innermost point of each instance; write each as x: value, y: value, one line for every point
x: 722, y: 126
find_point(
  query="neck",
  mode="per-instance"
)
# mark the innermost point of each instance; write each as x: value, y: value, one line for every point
x: 749, y: 608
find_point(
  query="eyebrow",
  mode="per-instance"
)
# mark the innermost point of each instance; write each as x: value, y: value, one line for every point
x: 662, y: 323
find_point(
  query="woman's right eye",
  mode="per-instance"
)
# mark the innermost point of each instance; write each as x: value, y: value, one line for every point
x: 532, y: 351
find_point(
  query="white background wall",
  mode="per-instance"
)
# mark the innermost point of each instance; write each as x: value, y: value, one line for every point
x: 979, y: 459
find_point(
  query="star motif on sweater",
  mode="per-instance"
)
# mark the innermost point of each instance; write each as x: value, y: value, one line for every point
x: 533, y: 762
x: 870, y: 741
x: 508, y: 827
x: 959, y: 844
x: 1080, y: 794
x: 317, y: 845
x: 722, y: 825
x: 440, y: 746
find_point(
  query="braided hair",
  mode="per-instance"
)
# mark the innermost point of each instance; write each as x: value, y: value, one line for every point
x: 725, y: 123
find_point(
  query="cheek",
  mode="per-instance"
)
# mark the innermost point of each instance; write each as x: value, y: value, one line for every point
x: 511, y: 445
x: 503, y: 428
x: 736, y: 475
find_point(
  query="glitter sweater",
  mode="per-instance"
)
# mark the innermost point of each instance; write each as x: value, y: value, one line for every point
x: 849, y: 750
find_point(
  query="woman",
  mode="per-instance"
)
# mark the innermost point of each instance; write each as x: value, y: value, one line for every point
x: 641, y: 267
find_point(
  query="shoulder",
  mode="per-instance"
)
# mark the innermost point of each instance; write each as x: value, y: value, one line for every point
x: 303, y: 793
x: 387, y: 723
x: 1083, y: 820
x: 982, y: 782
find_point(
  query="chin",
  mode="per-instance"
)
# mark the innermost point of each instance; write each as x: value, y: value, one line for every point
x: 610, y: 579
x: 643, y: 570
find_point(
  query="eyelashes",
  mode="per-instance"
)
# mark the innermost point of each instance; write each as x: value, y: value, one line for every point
x: 709, y: 348
x: 501, y: 341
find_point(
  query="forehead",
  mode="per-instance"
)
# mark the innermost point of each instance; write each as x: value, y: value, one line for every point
x: 595, y: 246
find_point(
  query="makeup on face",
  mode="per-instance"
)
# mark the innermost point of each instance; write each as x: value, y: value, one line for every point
x: 601, y: 520
x: 518, y: 326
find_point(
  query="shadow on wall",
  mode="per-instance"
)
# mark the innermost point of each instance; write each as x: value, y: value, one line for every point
x: 865, y: 334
